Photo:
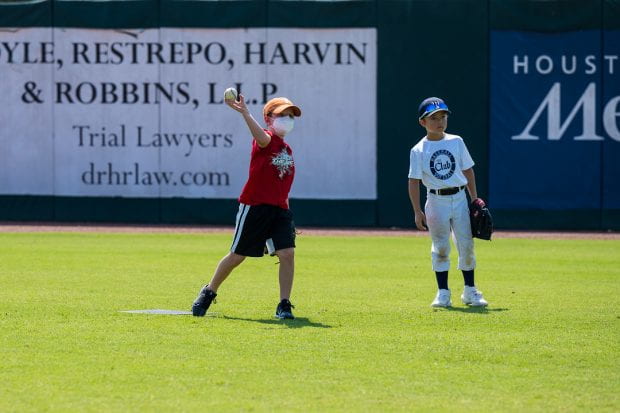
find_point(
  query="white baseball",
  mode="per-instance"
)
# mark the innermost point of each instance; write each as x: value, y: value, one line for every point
x: 230, y: 94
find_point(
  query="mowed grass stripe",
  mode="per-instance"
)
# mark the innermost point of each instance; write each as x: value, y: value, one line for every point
x: 365, y: 337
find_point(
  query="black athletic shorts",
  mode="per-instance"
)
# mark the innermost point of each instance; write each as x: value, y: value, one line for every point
x: 258, y: 226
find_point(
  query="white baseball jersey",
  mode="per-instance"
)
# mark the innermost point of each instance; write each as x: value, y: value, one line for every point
x: 440, y: 164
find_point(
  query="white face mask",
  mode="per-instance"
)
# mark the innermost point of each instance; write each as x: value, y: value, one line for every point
x: 283, y: 125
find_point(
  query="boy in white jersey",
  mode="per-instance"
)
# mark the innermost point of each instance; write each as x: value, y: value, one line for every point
x: 443, y: 164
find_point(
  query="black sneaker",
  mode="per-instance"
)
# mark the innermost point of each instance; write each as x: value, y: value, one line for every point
x: 284, y: 310
x: 203, y: 301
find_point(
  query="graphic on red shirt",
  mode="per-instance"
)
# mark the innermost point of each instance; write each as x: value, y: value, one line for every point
x: 272, y: 170
x: 284, y: 162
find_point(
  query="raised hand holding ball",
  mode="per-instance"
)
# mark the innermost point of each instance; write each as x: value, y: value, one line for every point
x: 230, y: 94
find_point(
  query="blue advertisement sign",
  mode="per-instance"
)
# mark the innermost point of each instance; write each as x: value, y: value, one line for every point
x: 555, y: 114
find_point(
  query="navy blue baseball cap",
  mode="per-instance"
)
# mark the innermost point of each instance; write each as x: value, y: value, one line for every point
x: 430, y: 106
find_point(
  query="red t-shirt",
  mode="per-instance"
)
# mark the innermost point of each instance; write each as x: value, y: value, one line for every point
x: 272, y: 171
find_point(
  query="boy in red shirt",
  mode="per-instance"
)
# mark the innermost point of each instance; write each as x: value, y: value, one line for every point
x: 264, y: 217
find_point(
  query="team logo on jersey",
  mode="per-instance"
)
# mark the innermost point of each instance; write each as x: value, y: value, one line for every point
x: 283, y: 162
x: 442, y: 164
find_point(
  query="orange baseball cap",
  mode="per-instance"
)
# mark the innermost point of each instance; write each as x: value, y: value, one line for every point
x: 277, y: 105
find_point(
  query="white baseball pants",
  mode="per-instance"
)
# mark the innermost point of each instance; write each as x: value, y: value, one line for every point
x: 447, y: 214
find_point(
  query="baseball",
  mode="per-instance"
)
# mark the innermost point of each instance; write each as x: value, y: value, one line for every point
x: 230, y: 94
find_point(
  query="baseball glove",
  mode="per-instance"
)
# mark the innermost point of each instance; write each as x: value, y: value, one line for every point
x: 481, y: 219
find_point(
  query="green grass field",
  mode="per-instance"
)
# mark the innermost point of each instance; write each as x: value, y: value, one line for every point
x: 365, y: 338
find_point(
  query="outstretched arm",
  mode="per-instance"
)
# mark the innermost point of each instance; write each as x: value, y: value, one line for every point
x: 261, y: 137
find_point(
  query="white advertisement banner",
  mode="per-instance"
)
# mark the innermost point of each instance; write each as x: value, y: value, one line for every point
x: 140, y: 113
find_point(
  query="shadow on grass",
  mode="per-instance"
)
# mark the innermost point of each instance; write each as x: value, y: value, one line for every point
x: 298, y: 322
x: 476, y: 310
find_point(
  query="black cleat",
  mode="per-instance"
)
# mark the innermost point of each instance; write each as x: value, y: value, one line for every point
x: 203, y: 301
x: 284, y: 310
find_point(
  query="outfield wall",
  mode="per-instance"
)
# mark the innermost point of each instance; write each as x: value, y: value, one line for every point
x: 112, y: 110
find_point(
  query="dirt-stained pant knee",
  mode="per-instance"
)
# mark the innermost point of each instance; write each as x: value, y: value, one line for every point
x: 445, y: 216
